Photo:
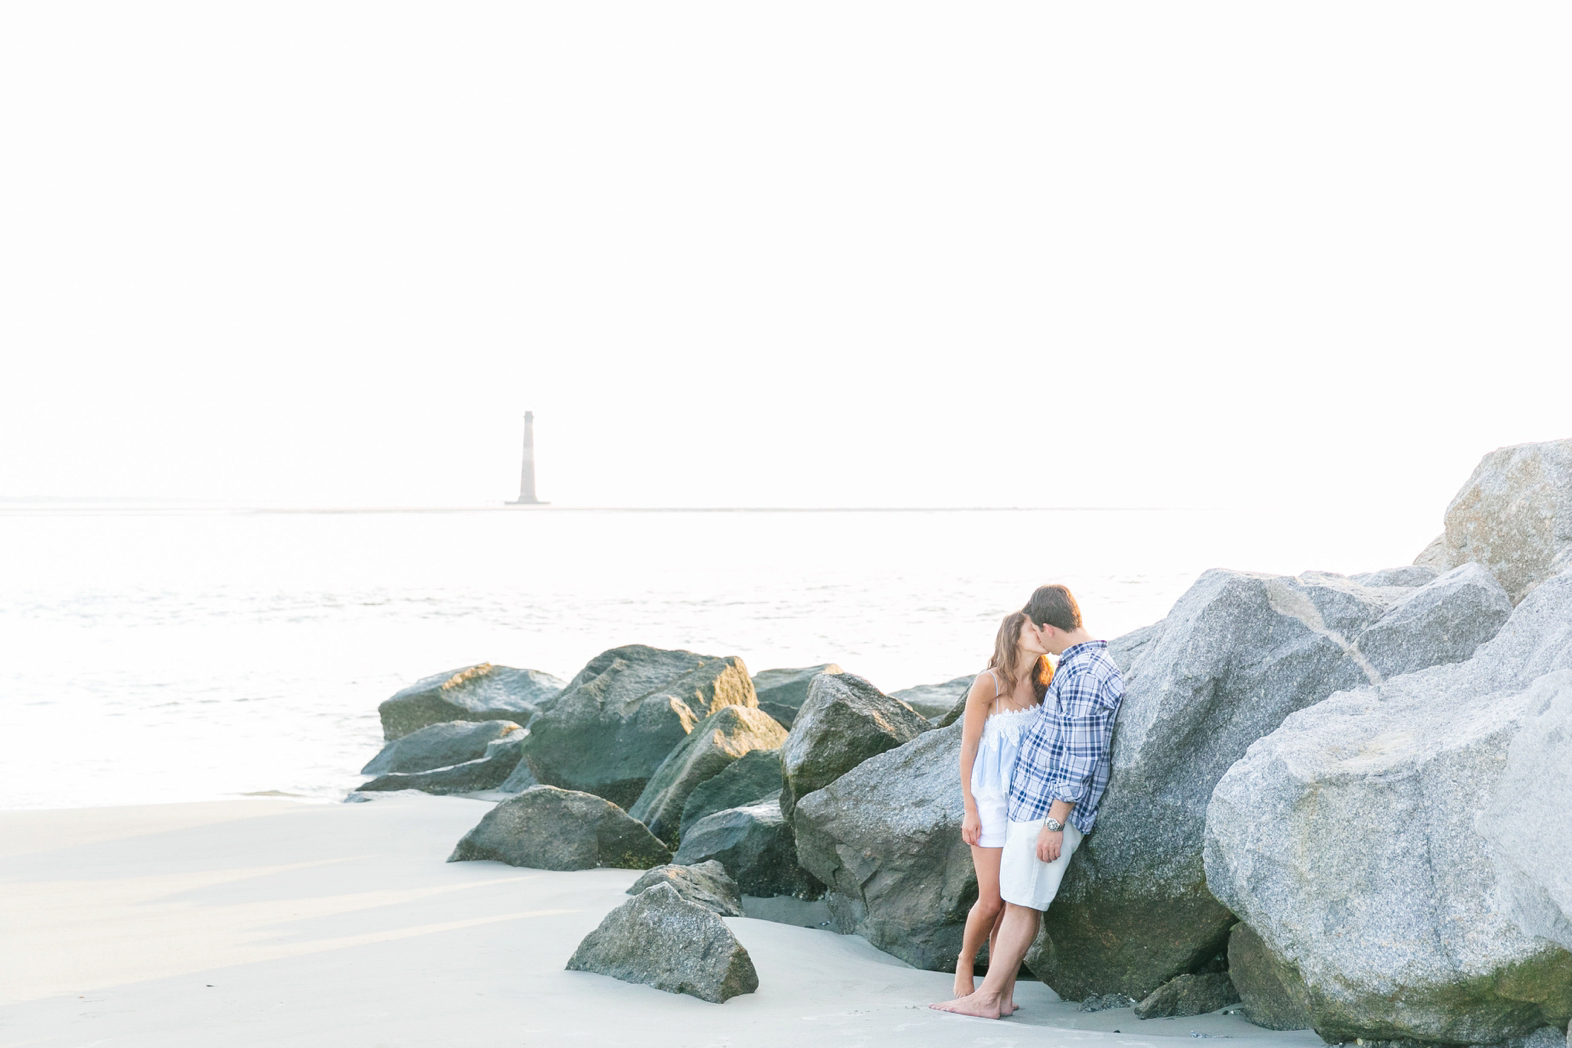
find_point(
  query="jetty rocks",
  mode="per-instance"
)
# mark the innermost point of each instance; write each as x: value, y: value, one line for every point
x: 886, y: 838
x: 1344, y: 801
x: 624, y: 712
x: 755, y: 844
x: 546, y: 828
x: 454, y: 757
x: 709, y: 749
x: 705, y: 884
x: 473, y: 693
x: 661, y: 939
x: 1402, y: 849
x: 1513, y: 516
x: 844, y: 721
x: 1238, y: 653
x: 782, y: 692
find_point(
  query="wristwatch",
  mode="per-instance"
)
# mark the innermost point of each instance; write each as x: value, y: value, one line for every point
x: 1053, y: 825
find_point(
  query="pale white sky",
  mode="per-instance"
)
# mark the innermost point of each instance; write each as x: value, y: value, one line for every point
x: 793, y: 254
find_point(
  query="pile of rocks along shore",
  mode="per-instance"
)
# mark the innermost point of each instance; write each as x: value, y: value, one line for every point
x: 1343, y: 802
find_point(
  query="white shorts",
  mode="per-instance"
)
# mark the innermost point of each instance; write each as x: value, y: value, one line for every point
x: 992, y: 812
x: 1026, y: 880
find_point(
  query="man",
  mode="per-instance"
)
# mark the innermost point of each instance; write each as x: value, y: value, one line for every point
x: 1059, y: 777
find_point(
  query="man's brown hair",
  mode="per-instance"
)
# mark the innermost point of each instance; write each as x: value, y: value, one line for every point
x: 1054, y: 606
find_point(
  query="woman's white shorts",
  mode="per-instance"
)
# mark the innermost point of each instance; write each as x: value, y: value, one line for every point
x: 1026, y: 880
x: 992, y: 813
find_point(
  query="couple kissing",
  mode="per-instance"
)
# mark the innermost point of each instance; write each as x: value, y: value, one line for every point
x: 1034, y: 763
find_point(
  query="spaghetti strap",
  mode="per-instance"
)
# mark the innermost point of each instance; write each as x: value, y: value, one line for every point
x: 996, y: 684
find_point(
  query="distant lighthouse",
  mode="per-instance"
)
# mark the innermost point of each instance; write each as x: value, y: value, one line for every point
x: 527, y: 474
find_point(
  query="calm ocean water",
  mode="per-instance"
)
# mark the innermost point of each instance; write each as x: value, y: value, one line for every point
x: 156, y: 654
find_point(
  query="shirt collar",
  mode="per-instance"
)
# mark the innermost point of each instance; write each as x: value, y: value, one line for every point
x: 1086, y: 647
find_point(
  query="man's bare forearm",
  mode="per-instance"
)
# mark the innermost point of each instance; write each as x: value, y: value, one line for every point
x: 1060, y: 810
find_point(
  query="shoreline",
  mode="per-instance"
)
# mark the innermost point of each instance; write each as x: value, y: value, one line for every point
x: 268, y: 921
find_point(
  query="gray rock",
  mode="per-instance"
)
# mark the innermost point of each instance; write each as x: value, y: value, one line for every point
x: 1526, y: 819
x: 936, y: 700
x: 1127, y: 649
x: 756, y: 845
x: 712, y: 746
x: 1102, y: 1002
x: 781, y: 693
x: 520, y: 780
x: 745, y: 781
x: 1271, y: 990
x: 1409, y: 576
x: 886, y: 838
x: 1443, y: 621
x: 1188, y: 995
x: 660, y: 939
x: 1434, y: 556
x: 475, y: 693
x: 705, y: 884
x: 844, y: 721
x: 1238, y: 653
x: 624, y: 712
x: 1356, y: 841
x: 1514, y: 515
x: 1544, y: 1037
x: 489, y: 772
x: 439, y: 746
x: 545, y: 828
x: 955, y: 713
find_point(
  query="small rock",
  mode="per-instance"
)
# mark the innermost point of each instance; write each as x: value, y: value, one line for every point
x: 1188, y: 995
x: 487, y: 773
x: 546, y: 828
x: 706, y: 884
x: 844, y: 721
x: 781, y: 693
x: 440, y: 746
x: 659, y: 939
x: 1101, y: 1002
x: 474, y: 693
x: 752, y: 776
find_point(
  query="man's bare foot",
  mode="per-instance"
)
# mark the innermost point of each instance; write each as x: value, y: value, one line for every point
x: 963, y: 984
x: 984, y: 1006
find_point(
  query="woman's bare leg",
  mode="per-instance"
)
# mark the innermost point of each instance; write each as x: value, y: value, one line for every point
x: 983, y: 918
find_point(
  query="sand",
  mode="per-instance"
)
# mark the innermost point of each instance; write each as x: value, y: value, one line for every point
x: 271, y: 922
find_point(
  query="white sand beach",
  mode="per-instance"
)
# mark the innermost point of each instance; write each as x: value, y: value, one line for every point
x: 281, y: 923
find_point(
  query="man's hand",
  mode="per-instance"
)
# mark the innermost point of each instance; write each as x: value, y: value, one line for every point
x: 1049, y: 844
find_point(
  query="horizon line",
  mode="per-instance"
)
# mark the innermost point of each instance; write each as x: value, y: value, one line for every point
x: 119, y: 503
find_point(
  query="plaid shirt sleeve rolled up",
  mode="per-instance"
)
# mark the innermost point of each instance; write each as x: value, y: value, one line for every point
x: 1064, y: 755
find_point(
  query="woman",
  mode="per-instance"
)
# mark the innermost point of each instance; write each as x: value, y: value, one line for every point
x: 1001, y: 705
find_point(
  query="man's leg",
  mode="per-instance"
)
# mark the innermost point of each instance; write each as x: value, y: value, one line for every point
x: 1015, y: 938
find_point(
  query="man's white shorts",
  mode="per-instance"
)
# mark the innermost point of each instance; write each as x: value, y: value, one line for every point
x: 1026, y: 880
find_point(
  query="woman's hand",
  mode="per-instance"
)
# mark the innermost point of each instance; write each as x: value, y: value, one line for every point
x: 971, y: 827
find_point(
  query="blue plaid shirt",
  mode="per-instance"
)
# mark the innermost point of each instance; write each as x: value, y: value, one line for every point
x: 1064, y: 754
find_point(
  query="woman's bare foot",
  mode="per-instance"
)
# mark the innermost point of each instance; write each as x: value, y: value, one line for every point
x: 982, y: 1005
x: 963, y: 982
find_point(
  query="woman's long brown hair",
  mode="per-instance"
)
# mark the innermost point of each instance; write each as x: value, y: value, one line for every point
x: 1006, y: 648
